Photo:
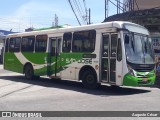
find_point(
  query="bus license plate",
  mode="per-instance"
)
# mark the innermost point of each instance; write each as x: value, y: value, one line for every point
x: 144, y: 79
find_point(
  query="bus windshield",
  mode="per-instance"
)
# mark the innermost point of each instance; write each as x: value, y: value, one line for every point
x: 138, y: 48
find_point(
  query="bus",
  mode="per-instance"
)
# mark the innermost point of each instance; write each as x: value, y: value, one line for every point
x: 1, y: 48
x: 116, y: 53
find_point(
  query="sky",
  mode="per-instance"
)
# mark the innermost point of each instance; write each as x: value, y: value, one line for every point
x: 18, y: 15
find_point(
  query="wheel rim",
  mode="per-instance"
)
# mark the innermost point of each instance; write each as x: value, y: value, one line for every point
x: 90, y: 79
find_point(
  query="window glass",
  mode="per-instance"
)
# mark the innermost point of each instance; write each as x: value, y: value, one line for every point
x: 105, y: 45
x: 114, y: 45
x: 67, y: 37
x: 84, y: 41
x: 6, y: 46
x: 41, y: 43
x: 138, y: 48
x: 27, y: 44
x: 14, y: 44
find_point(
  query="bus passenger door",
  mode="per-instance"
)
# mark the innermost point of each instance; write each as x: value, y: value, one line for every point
x: 108, y: 62
x: 53, y: 64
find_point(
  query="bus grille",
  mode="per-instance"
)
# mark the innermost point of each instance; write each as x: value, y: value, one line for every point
x: 144, y: 69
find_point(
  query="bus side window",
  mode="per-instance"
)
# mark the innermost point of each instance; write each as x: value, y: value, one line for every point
x: 14, y: 44
x: 67, y: 37
x: 114, y: 38
x: 41, y: 43
x: 6, y: 45
x: 27, y: 44
x: 84, y: 41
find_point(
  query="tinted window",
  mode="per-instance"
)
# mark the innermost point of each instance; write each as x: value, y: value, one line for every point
x: 27, y: 44
x: 67, y: 37
x: 14, y: 44
x: 84, y: 41
x: 105, y: 45
x: 6, y: 46
x: 41, y: 43
x: 114, y: 38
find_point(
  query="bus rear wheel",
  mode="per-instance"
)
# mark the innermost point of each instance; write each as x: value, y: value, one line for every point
x: 89, y: 79
x: 29, y: 73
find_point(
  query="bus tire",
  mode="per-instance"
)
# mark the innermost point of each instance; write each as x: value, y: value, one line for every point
x: 28, y: 71
x: 89, y: 79
x: 115, y: 87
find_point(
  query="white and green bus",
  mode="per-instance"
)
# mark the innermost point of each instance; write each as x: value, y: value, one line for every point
x: 116, y: 53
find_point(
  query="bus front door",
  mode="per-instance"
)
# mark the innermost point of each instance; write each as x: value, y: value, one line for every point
x: 53, y: 57
x: 109, y: 53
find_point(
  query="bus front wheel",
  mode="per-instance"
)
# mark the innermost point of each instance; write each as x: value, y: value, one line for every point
x: 29, y: 73
x: 89, y: 79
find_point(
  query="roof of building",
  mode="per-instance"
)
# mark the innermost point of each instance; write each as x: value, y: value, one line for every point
x: 4, y: 33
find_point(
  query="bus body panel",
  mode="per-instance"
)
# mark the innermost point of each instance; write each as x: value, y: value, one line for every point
x: 69, y: 65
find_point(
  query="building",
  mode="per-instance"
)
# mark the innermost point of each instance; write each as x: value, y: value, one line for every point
x: 130, y: 5
x: 143, y: 12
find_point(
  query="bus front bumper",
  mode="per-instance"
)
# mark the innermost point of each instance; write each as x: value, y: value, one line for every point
x: 130, y: 80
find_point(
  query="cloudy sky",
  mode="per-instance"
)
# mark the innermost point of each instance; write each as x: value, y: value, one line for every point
x: 21, y: 14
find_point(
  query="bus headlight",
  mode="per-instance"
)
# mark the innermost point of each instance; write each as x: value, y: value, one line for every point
x: 131, y: 71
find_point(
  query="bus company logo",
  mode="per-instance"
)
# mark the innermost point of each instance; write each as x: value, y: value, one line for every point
x: 6, y: 114
x: 21, y: 114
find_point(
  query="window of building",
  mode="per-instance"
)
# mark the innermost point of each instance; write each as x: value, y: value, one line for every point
x: 67, y: 37
x: 41, y: 43
x: 27, y: 44
x: 84, y: 41
x: 14, y: 44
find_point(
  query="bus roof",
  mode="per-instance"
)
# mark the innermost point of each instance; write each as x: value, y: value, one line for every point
x: 113, y: 24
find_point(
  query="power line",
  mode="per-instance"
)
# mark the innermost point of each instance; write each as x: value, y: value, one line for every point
x: 81, y: 7
x: 85, y: 7
x: 74, y: 12
x: 121, y: 8
x: 79, y: 11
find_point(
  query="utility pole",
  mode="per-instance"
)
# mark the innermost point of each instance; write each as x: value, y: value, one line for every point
x: 131, y: 3
x: 118, y: 6
x: 89, y: 16
x: 106, y: 8
x: 56, y: 20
